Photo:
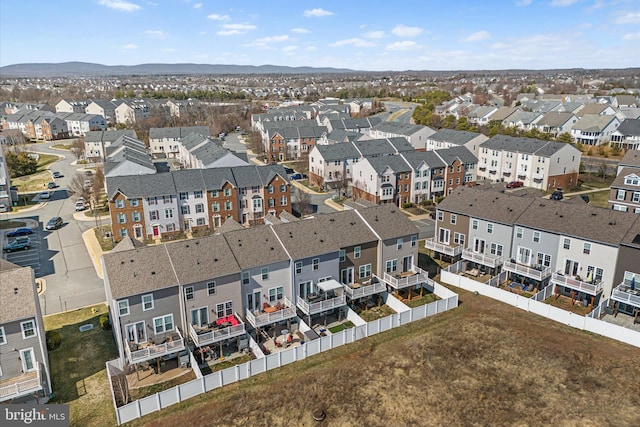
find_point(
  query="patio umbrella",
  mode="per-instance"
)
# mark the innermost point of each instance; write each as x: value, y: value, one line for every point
x: 590, y: 277
x: 633, y: 283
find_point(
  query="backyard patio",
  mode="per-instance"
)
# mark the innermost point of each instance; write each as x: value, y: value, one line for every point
x: 154, y: 372
x: 223, y: 354
x: 564, y: 302
x: 369, y: 314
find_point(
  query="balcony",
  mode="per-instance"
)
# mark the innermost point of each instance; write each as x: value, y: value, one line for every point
x: 168, y: 344
x: 538, y: 176
x: 536, y: 273
x: 365, y: 289
x: 282, y: 311
x: 489, y: 260
x: 507, y: 170
x: 522, y: 174
x: 28, y: 383
x: 442, y: 248
x: 493, y: 169
x: 330, y: 295
x: 576, y: 283
x: 623, y: 293
x: 222, y: 329
x: 413, y: 277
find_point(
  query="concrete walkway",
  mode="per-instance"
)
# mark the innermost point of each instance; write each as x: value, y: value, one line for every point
x: 94, y: 249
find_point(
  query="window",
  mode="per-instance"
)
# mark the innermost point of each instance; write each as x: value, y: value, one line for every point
x: 275, y: 294
x: 134, y: 203
x: 596, y: 273
x: 171, y: 227
x: 315, y: 263
x: 224, y: 309
x: 163, y: 324
x: 245, y: 277
x: 228, y: 206
x: 631, y: 180
x: 188, y: 293
x: 215, y: 207
x: 458, y: 238
x: 414, y: 241
x: 399, y: 243
x: 184, y: 196
x: 3, y: 337
x: 364, y: 271
x: 283, y: 188
x: 152, y: 200
x: 211, y: 288
x: 444, y: 235
x: 440, y: 216
x: 136, y: 217
x: 391, y: 266
x: 186, y: 209
x: 197, y: 194
x: 270, y: 189
x: 123, y: 307
x: 298, y: 266
x: 496, y: 249
x: 490, y: 228
x: 283, y: 201
x: 257, y: 205
x: 454, y: 218
x: 265, y: 273
x: 536, y: 236
x: 620, y: 195
x: 124, y: 232
x: 227, y: 192
x: 586, y: 249
x: 167, y: 199
x: 544, y: 259
x: 474, y: 224
x: 122, y: 218
x: 119, y: 204
x: 168, y: 213
x: 566, y: 244
x: 356, y: 252
x: 636, y: 197
x: 342, y: 254
x: 28, y: 329
x: 519, y: 232
x: 147, y: 302
x: 213, y: 193
x: 199, y: 208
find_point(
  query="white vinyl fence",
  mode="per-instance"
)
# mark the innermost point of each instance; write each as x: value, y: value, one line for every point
x: 536, y: 305
x: 236, y: 373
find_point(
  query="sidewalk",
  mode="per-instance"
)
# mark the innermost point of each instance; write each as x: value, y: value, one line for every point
x: 94, y: 249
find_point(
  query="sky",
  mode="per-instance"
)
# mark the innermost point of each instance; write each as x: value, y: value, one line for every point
x: 389, y: 35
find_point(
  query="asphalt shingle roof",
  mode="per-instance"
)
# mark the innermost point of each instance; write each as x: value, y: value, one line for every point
x: 17, y: 292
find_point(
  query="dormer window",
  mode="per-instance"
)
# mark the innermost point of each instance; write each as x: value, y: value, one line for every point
x: 632, y: 180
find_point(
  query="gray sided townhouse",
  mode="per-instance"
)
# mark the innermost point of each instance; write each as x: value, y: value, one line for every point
x: 625, y: 298
x: 24, y: 361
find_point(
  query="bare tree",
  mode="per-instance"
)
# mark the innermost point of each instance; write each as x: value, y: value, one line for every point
x: 121, y: 385
x: 303, y: 203
x: 77, y: 148
x: 98, y: 185
x: 77, y: 188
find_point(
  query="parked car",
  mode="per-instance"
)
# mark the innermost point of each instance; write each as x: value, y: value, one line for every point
x: 88, y: 173
x: 54, y: 223
x: 45, y: 195
x: 52, y: 185
x: 515, y: 184
x: 22, y: 231
x: 80, y: 206
x: 288, y: 170
x: 585, y: 198
x: 57, y: 174
x: 295, y: 176
x: 17, y: 244
x: 557, y: 195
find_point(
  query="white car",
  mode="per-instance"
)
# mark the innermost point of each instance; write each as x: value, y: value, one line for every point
x: 45, y: 195
x: 80, y: 206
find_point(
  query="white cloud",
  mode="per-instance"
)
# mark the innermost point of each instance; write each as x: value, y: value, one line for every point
x: 353, y: 42
x: 403, y: 45
x: 119, y: 5
x: 273, y: 39
x: 239, y: 27
x: 316, y: 13
x: 628, y: 18
x: 405, y: 31
x: 631, y: 36
x: 216, y: 17
x: 521, y: 3
x: 197, y: 5
x: 311, y: 48
x: 289, y: 48
x: 562, y: 3
x: 374, y: 34
x: 300, y: 30
x: 130, y: 46
x: 229, y: 32
x: 477, y: 36
x: 158, y: 34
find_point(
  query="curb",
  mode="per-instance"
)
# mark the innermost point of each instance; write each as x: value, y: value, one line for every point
x: 92, y: 245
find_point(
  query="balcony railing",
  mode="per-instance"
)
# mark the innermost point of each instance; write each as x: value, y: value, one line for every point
x: 507, y: 169
x: 174, y: 343
x: 624, y: 293
x: 524, y: 270
x: 538, y: 176
x: 312, y: 307
x: 413, y: 277
x: 214, y: 333
x: 575, y: 284
x: 489, y: 260
x: 361, y: 290
x: 264, y: 318
x: 442, y: 248
x: 22, y: 385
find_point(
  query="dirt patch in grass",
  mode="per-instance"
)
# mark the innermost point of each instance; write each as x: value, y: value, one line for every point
x: 416, y: 300
x: 375, y: 313
x: 141, y: 392
x: 78, y: 373
x: 227, y: 364
x: 564, y: 303
x: 483, y: 364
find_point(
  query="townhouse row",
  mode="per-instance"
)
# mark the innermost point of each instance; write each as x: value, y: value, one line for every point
x: 166, y: 204
x: 586, y: 252
x: 45, y: 125
x: 223, y: 286
x: 24, y: 361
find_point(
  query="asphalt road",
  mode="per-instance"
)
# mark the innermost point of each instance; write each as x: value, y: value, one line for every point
x: 62, y: 261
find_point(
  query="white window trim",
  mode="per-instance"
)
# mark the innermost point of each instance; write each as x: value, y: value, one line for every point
x: 35, y: 329
x: 3, y: 335
x: 126, y: 301
x: 143, y: 303
x: 315, y: 264
x: 189, y: 291
x: 164, y: 326
x: 357, y: 252
x: 211, y: 285
x: 243, y: 276
x: 298, y: 267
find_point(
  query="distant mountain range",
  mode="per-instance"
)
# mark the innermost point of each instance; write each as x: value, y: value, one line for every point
x: 77, y: 69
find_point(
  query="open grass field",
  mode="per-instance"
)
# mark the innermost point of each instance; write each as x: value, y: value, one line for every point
x: 37, y: 181
x: 482, y: 364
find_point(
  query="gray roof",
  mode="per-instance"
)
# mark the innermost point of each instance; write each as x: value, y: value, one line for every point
x: 197, y: 260
x: 17, y: 293
x: 215, y: 178
x: 406, y: 129
x: 151, y: 185
x: 188, y: 180
x: 449, y: 155
x: 401, y: 144
x: 619, y: 181
x: 395, y: 162
x: 632, y: 158
x: 108, y: 135
x: 255, y: 246
x: 341, y: 135
x: 338, y: 151
x: 525, y: 117
x: 502, y: 113
x: 229, y: 224
x: 555, y: 119
x: 593, y: 122
x: 380, y: 147
x: 492, y: 206
x: 632, y: 238
x: 523, y: 145
x: 593, y: 108
x: 388, y: 221
x: 459, y: 137
x: 629, y: 127
x: 430, y: 158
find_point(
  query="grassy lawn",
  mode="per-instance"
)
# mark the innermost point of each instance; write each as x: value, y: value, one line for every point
x: 375, y: 313
x: 61, y: 146
x: 341, y: 327
x: 39, y: 180
x: 593, y: 181
x: 11, y: 223
x: 227, y: 364
x: 599, y: 199
x: 416, y: 301
x: 483, y: 364
x: 106, y: 243
x: 78, y: 366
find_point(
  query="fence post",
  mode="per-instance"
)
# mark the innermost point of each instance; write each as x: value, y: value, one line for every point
x: 279, y: 359
x: 138, y: 408
x: 237, y: 370
x: 178, y: 393
x: 158, y: 401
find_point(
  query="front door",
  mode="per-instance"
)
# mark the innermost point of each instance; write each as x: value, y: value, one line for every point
x: 253, y: 301
x: 304, y: 289
x: 478, y: 246
x: 407, y: 263
x: 186, y: 225
x: 571, y: 267
x: 156, y: 231
x: 346, y: 276
x: 524, y: 255
x: 28, y: 361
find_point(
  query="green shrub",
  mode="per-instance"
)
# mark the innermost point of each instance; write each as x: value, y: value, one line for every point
x: 439, y: 199
x: 54, y: 339
x: 407, y: 205
x: 426, y: 202
x: 104, y: 322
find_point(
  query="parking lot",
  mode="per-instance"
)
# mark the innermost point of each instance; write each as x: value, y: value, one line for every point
x: 26, y: 257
